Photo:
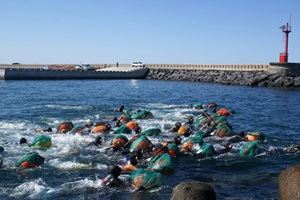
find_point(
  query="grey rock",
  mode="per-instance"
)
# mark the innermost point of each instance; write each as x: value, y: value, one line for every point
x: 193, y: 191
x: 297, y: 81
x: 248, y: 78
x: 263, y: 84
x: 288, y: 182
x: 261, y: 78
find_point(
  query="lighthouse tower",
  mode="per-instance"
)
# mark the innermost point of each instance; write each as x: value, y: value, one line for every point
x: 283, y: 58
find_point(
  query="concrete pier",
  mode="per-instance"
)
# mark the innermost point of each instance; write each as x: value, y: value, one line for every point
x: 42, y: 74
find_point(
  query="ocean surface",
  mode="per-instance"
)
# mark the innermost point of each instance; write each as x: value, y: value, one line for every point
x: 74, y: 171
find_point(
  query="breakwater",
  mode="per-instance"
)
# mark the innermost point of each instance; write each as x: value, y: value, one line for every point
x: 264, y: 75
x: 226, y: 77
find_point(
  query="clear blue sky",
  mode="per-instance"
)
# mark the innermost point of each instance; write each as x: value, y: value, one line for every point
x: 152, y: 31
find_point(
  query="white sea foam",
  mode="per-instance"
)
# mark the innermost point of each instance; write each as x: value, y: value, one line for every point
x: 79, y: 186
x: 68, y: 165
x: 34, y: 189
x: 68, y: 107
x: 101, y: 166
x: 163, y: 106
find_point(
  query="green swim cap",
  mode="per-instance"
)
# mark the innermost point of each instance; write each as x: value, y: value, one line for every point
x: 1, y: 149
x: 259, y: 135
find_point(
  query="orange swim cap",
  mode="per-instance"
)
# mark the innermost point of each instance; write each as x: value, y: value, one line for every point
x: 187, y: 146
x: 182, y: 130
x: 115, y: 143
x: 223, y: 111
x: 99, y: 129
x: 172, y: 153
x: 132, y: 125
x: 28, y: 165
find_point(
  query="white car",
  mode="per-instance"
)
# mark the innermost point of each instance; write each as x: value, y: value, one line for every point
x: 83, y: 67
x: 137, y: 64
x: 78, y: 67
x: 46, y: 68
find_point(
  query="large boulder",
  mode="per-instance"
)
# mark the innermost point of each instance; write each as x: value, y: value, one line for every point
x: 193, y: 191
x: 288, y: 182
x: 297, y: 81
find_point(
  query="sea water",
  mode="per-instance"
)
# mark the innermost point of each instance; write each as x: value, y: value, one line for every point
x: 74, y: 171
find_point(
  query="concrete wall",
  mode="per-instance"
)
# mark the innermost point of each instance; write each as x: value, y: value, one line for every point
x: 2, y: 74
x: 40, y: 66
x: 285, y: 68
x: 40, y: 74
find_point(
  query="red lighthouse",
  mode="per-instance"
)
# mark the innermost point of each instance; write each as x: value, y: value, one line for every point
x: 283, y: 58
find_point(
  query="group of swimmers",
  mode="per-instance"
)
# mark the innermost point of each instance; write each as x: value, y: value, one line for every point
x: 145, y: 160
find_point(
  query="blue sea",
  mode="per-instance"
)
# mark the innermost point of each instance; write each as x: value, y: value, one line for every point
x: 74, y: 171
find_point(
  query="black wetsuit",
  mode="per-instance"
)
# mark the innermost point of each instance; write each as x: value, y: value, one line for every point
x: 112, y: 181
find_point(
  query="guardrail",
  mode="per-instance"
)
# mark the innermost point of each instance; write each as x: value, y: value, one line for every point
x: 253, y: 67
x: 236, y: 67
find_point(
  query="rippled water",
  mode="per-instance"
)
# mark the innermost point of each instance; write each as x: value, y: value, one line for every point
x: 71, y: 171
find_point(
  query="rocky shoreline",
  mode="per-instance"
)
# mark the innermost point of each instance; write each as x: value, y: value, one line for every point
x: 246, y: 78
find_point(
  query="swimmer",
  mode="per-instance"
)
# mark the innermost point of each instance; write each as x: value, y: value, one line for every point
x: 65, y: 127
x: 118, y: 142
x: 101, y: 128
x: 137, y: 130
x: 30, y: 160
x: 49, y: 129
x: 97, y: 142
x: 23, y: 141
x: 224, y: 149
x: 237, y: 138
x: 208, y: 150
x: 1, y: 158
x: 41, y: 141
x: 89, y: 123
x: 190, y: 121
x: 176, y: 141
x: 197, y: 106
x: 138, y: 153
x: 158, y: 151
x: 292, y: 149
x: 176, y: 127
x: 113, y: 179
x: 120, y: 109
x: 185, y: 131
x: 255, y: 136
x: 208, y: 128
x: 131, y: 165
x: 190, y: 144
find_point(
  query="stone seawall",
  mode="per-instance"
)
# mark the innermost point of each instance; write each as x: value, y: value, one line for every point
x: 247, y: 78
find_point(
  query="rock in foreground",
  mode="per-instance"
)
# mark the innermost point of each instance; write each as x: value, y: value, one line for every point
x: 193, y: 191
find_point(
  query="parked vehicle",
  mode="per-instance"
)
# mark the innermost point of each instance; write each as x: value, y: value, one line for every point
x: 78, y: 67
x: 86, y: 67
x: 137, y: 64
x: 46, y: 67
x: 83, y: 67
